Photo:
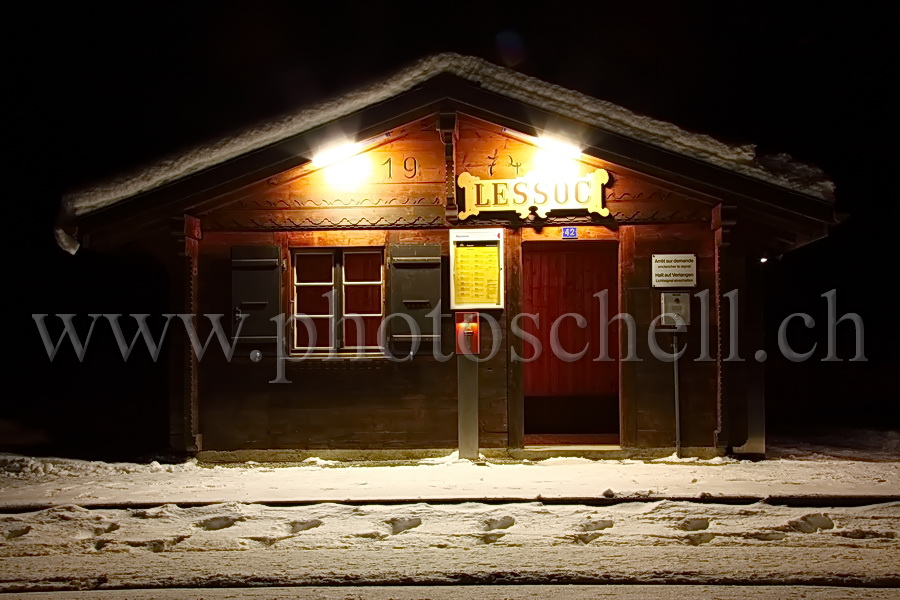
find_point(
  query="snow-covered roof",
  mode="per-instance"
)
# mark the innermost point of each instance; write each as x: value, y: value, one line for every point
x: 779, y: 170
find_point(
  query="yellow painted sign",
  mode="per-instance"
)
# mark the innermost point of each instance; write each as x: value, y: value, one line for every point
x: 526, y: 193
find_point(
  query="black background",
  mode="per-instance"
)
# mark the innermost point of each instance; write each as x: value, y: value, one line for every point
x: 97, y: 92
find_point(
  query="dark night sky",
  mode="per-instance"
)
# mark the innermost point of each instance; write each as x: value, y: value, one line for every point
x: 136, y: 85
x: 108, y: 91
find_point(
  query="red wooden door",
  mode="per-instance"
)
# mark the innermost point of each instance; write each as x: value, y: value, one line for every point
x: 560, y: 278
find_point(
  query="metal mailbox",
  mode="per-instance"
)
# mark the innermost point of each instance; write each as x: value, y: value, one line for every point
x: 415, y: 290
x: 255, y: 291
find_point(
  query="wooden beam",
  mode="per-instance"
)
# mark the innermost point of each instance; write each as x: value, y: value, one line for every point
x: 515, y: 372
x: 184, y: 416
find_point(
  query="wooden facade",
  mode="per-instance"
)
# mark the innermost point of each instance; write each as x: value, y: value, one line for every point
x: 415, y: 147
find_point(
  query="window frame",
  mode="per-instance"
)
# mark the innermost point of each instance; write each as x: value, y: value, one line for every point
x: 337, y: 330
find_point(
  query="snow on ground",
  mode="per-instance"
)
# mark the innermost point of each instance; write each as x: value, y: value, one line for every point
x: 798, y: 470
x: 853, y: 444
x: 232, y: 526
x: 765, y: 564
x: 491, y: 592
x: 224, y: 536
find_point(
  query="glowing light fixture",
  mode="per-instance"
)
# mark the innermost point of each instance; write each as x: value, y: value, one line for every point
x: 556, y: 159
x: 763, y: 259
x: 343, y: 165
x: 558, y: 146
x: 334, y: 154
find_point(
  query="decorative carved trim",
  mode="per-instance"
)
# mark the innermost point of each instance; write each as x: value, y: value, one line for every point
x: 267, y: 223
x: 616, y: 219
x: 661, y: 216
x: 448, y: 127
x: 657, y: 194
x: 250, y: 204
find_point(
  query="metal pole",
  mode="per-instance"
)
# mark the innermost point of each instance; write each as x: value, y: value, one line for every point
x: 467, y: 383
x: 677, y: 398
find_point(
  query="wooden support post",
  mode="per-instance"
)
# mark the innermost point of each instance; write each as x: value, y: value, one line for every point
x: 628, y: 370
x: 752, y: 343
x: 515, y: 372
x: 184, y: 418
x: 741, y: 398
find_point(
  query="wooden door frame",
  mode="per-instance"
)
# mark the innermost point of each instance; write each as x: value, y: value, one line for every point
x: 515, y: 240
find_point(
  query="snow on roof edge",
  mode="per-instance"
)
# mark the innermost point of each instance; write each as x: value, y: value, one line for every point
x: 780, y: 170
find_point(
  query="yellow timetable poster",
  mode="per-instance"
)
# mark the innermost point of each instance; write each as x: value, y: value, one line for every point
x: 477, y: 273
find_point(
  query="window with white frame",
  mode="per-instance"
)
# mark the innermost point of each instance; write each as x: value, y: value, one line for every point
x: 338, y: 299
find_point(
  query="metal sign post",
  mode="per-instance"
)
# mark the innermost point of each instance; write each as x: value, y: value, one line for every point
x: 677, y: 397
x: 675, y: 312
x: 476, y: 283
x: 468, y: 345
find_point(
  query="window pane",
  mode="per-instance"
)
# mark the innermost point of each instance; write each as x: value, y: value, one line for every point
x: 365, y: 299
x: 369, y: 331
x: 313, y: 268
x: 321, y: 329
x: 362, y: 266
x: 312, y: 299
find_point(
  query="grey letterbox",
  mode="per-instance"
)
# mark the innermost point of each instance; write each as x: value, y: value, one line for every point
x: 415, y: 290
x: 255, y: 291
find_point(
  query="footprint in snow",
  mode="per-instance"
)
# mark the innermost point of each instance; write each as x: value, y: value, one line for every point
x: 501, y: 523
x: 157, y: 512
x: 401, y: 524
x: 217, y: 523
x: 102, y: 528
x: 766, y: 536
x: 591, y: 525
x: 374, y: 535
x: 585, y: 538
x: 811, y: 523
x: 16, y: 531
x: 155, y: 545
x: 298, y: 526
x: 695, y: 539
x: 267, y: 540
x: 867, y: 534
x: 696, y: 524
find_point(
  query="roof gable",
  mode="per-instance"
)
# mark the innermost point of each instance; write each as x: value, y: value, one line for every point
x: 779, y: 171
x: 400, y: 181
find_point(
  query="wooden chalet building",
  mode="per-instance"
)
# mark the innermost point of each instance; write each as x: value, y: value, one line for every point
x: 267, y: 223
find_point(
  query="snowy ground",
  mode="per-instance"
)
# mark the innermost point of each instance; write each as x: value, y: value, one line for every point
x: 364, y: 551
x: 57, y: 535
x: 235, y: 527
x: 858, y: 464
x: 493, y: 592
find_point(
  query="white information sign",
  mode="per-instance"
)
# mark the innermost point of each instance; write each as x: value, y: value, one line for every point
x: 674, y: 270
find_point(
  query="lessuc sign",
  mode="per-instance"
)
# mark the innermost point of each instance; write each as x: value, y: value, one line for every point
x: 523, y: 194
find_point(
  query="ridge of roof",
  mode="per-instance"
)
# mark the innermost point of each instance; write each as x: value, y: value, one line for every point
x: 780, y: 170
